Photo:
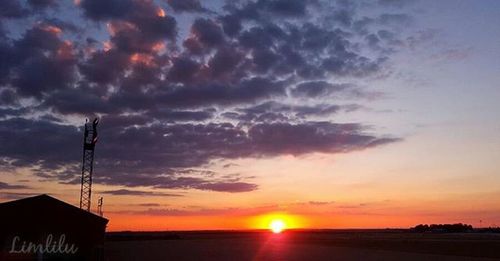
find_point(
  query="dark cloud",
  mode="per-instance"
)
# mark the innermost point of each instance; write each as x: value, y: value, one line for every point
x: 103, y: 10
x: 9, y: 112
x: 186, y: 5
x: 74, y: 101
x: 273, y: 139
x: 396, y: 3
x: 219, y: 186
x: 142, y: 36
x: 297, y: 49
x: 255, y: 79
x: 127, y: 192
x: 5, y: 186
x: 279, y: 112
x: 395, y: 19
x: 318, y: 88
x: 105, y: 67
x: 344, y: 17
x: 244, y: 92
x: 184, y: 183
x: 119, y: 122
x: 12, y: 9
x: 284, y: 7
x: 35, y: 137
x: 180, y: 115
x: 261, y: 9
x: 134, y: 25
x: 183, y: 70
x: 41, y: 4
x: 207, y: 32
x: 40, y: 61
x: 233, y: 187
x: 15, y: 195
x: 141, y: 156
x: 231, y: 24
x: 67, y: 26
x: 8, y: 97
x: 7, y: 61
x: 224, y: 63
x: 40, y: 75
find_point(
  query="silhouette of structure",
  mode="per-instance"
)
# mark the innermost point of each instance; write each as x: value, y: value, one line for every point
x: 99, y: 206
x: 43, y: 224
x: 89, y: 141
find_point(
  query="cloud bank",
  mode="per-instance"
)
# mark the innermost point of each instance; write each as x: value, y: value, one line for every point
x: 252, y: 79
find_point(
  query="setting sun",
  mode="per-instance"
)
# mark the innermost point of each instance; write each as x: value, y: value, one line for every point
x: 277, y: 226
x: 277, y: 222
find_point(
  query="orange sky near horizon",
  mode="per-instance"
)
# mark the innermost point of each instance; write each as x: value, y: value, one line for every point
x: 124, y: 222
x: 331, y: 199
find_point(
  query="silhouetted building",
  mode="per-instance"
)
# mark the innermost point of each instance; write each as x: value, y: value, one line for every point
x: 45, y: 228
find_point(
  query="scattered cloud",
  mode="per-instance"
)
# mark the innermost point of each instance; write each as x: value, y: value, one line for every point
x: 244, y: 81
x: 186, y: 5
x: 127, y: 192
x: 455, y: 54
x: 6, y: 186
x: 15, y: 195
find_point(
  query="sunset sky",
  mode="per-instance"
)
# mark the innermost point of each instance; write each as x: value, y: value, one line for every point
x: 226, y: 114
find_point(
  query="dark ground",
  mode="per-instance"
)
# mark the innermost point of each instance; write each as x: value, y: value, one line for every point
x: 303, y: 245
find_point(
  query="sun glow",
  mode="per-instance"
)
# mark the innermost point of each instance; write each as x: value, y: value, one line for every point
x: 277, y: 222
x: 277, y: 226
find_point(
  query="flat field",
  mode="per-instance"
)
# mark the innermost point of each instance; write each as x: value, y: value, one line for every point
x: 302, y: 245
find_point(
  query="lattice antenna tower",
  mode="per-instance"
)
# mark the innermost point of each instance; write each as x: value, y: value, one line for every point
x: 89, y: 141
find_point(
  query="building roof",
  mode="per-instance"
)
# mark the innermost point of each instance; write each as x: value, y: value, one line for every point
x: 44, y: 201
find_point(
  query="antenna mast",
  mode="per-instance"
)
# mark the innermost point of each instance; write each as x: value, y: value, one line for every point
x: 89, y: 141
x: 99, y: 206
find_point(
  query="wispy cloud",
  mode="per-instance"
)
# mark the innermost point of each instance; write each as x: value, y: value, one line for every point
x: 127, y: 192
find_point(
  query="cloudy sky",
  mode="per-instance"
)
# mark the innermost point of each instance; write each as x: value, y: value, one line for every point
x: 376, y: 113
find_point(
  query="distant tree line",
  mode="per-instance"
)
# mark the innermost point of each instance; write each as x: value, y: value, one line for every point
x: 446, y: 228
x: 489, y: 230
